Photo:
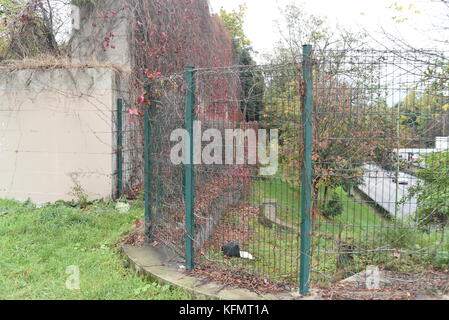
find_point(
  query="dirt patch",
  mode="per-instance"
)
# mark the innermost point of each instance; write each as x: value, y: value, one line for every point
x: 230, y: 230
x: 136, y: 237
x: 345, y: 292
x: 393, y: 286
x: 236, y: 279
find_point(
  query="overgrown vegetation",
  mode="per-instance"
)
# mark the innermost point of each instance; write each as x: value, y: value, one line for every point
x: 424, y: 113
x: 84, y: 2
x: 432, y: 191
x: 337, y: 162
x: 30, y: 28
x: 333, y: 207
x: 252, y: 81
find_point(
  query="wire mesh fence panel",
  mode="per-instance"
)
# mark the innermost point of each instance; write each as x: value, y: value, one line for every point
x: 129, y: 149
x: 379, y: 173
x: 242, y: 197
x: 241, y: 194
x: 166, y: 201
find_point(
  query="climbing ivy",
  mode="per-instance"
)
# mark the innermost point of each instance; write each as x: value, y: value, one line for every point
x: 84, y: 2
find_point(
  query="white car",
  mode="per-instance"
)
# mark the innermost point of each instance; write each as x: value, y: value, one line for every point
x: 401, y: 179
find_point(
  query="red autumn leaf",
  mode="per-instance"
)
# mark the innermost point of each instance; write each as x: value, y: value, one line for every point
x: 141, y: 99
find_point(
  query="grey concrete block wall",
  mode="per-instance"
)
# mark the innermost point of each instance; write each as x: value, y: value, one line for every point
x: 109, y: 17
x: 57, y: 130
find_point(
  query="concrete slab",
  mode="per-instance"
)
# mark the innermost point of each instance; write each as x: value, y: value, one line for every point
x: 164, y: 267
x: 269, y: 210
x: 379, y: 186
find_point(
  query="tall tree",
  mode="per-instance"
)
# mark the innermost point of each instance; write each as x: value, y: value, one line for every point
x: 350, y: 125
x: 252, y: 81
x: 32, y: 27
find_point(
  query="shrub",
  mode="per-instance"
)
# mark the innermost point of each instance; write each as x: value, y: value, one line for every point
x: 441, y: 260
x: 333, y: 207
x: 432, y: 191
x: 397, y: 238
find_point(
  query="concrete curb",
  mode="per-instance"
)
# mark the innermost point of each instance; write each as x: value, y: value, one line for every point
x: 151, y: 263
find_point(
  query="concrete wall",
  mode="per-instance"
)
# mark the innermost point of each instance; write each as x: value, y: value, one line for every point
x: 109, y: 18
x: 56, y: 132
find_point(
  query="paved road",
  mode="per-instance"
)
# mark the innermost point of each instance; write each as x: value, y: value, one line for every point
x: 379, y: 186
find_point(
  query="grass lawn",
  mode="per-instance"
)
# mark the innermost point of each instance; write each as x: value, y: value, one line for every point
x: 286, y: 195
x: 373, y: 236
x: 38, y: 244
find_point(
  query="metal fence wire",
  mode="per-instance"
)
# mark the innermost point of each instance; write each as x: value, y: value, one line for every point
x: 332, y: 170
x: 129, y: 175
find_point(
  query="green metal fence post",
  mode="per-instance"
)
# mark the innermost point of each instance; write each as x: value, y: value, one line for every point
x: 306, y: 179
x: 119, y: 148
x: 189, y: 180
x: 147, y: 172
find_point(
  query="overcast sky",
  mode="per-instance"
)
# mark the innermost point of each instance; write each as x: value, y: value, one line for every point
x: 370, y: 15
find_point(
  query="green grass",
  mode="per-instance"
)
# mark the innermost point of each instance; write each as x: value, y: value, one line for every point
x: 38, y: 244
x: 360, y: 225
x: 286, y: 195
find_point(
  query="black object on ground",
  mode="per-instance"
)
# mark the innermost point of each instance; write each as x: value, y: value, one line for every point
x: 231, y: 249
